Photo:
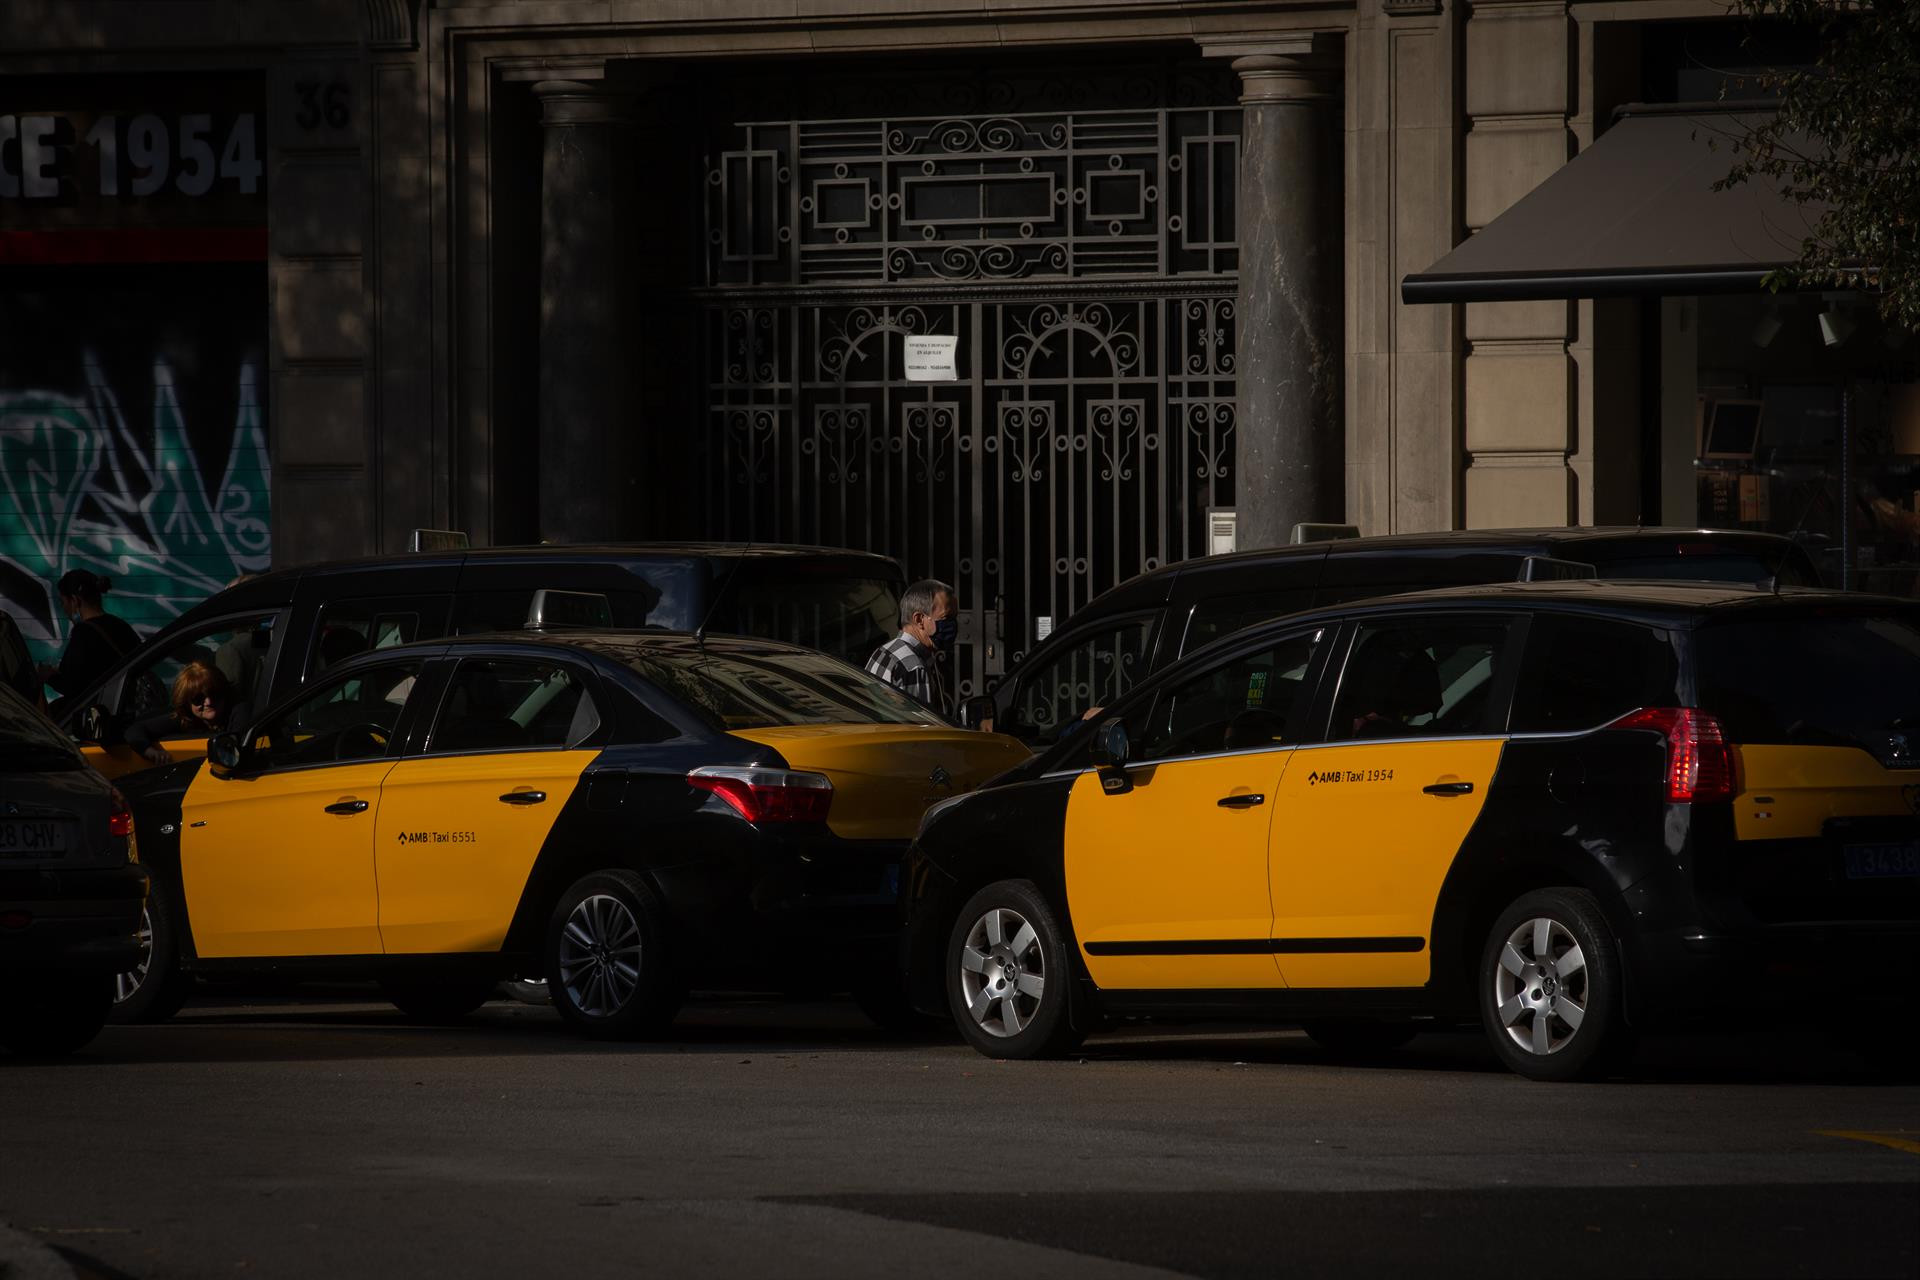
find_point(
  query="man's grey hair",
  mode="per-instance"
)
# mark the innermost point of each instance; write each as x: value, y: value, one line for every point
x: 922, y: 597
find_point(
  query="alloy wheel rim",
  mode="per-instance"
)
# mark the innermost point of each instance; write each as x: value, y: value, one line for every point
x: 1541, y: 986
x: 600, y: 955
x: 1003, y: 972
x: 125, y: 984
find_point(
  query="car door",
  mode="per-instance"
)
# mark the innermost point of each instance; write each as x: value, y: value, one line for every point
x: 462, y: 821
x: 276, y: 857
x: 1167, y: 882
x: 1368, y: 820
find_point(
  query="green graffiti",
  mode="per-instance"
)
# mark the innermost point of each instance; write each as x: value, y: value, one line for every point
x: 79, y: 490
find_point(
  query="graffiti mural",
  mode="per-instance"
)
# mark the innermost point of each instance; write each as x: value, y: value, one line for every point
x: 140, y: 455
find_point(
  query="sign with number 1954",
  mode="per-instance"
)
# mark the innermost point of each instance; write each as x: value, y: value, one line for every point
x: 144, y: 154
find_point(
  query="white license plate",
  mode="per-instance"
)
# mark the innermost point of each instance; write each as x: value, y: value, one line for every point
x: 32, y: 838
x: 1890, y: 860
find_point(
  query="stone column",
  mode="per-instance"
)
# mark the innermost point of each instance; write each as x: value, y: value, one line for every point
x: 588, y: 486
x: 1290, y: 348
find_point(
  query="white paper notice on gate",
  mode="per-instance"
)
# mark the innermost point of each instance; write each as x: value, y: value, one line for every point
x: 930, y: 357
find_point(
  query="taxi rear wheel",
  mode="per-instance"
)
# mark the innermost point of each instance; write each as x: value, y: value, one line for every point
x: 1009, y: 979
x: 155, y: 988
x: 1549, y: 984
x: 610, y: 970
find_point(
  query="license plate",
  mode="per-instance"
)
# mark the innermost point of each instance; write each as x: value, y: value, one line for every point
x: 1890, y: 860
x: 31, y: 838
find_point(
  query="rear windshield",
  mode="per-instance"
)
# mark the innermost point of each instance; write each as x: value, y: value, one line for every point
x: 1851, y: 680
x: 748, y: 691
x: 1719, y: 564
x: 28, y: 741
x: 848, y: 617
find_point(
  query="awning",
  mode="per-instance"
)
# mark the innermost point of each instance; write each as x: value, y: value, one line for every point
x: 1635, y: 214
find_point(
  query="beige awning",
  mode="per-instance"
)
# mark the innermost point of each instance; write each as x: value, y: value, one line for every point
x: 1633, y: 214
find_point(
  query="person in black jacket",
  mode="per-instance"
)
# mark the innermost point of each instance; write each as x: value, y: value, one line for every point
x: 203, y: 705
x: 96, y: 641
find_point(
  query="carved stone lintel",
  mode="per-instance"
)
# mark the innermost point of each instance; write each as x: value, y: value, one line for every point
x: 573, y: 102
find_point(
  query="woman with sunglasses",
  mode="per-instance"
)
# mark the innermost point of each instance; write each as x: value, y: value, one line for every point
x: 203, y: 705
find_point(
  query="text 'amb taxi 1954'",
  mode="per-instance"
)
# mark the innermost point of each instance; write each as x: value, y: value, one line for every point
x: 1564, y: 810
x: 621, y: 813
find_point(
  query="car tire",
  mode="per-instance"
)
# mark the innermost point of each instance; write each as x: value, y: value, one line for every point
x: 1359, y: 1037
x: 1010, y: 978
x: 56, y: 1014
x: 1549, y: 988
x: 611, y: 972
x: 437, y: 998
x: 527, y: 990
x: 156, y: 988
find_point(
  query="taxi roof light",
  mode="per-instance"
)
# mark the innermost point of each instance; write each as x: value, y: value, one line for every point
x: 767, y: 795
x: 1700, y: 765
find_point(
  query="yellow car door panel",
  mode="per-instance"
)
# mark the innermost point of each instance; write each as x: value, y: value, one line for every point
x: 281, y: 864
x: 1363, y: 836
x: 1166, y: 885
x: 456, y: 840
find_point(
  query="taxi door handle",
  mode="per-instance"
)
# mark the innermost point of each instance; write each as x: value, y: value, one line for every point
x: 348, y: 806
x: 523, y: 797
x: 1449, y: 789
x: 1241, y: 801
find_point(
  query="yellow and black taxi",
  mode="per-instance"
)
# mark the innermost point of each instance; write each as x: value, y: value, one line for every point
x: 620, y: 812
x: 71, y: 887
x: 1564, y: 810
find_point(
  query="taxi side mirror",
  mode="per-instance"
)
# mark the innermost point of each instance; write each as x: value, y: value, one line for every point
x: 1109, y: 752
x: 93, y: 724
x: 223, y: 755
x: 976, y: 712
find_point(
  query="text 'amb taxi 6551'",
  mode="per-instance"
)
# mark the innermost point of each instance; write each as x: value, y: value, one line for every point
x: 1567, y: 810
x: 619, y: 812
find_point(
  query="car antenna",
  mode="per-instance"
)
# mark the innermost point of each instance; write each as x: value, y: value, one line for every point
x: 726, y: 584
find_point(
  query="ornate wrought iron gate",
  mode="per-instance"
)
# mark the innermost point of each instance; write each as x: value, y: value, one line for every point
x: 1084, y: 261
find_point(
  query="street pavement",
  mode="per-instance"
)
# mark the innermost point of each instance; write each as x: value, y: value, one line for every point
x: 324, y: 1136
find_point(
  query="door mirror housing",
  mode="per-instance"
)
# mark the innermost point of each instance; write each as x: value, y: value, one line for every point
x: 1109, y: 752
x: 977, y: 713
x: 223, y: 755
x: 92, y: 724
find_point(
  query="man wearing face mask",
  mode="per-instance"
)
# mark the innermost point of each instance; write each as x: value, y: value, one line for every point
x: 911, y: 661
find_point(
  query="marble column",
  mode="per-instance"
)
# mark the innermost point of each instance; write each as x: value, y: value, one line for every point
x: 589, y: 489
x: 1290, y: 456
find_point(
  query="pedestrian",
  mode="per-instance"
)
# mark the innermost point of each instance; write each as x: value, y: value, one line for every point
x: 911, y: 661
x: 203, y: 705
x: 96, y: 641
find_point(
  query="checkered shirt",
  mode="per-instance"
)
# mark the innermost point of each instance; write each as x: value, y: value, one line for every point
x: 911, y: 669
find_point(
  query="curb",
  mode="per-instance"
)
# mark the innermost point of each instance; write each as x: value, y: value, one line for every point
x: 27, y: 1257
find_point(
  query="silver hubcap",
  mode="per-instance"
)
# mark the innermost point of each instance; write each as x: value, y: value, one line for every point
x: 600, y: 956
x: 1003, y: 972
x: 125, y: 984
x: 1540, y: 986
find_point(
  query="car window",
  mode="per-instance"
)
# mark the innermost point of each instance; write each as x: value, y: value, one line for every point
x: 848, y: 617
x: 505, y: 704
x: 732, y: 689
x: 352, y: 627
x: 1254, y: 700
x: 1224, y: 615
x: 1421, y: 678
x: 348, y: 718
x: 1833, y: 680
x: 1580, y: 673
x: 1090, y: 670
x: 236, y: 647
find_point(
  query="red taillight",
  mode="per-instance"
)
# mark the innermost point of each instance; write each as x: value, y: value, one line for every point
x: 767, y: 795
x: 120, y: 817
x: 1699, y: 757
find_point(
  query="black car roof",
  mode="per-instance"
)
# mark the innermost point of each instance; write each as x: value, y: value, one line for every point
x: 1664, y: 600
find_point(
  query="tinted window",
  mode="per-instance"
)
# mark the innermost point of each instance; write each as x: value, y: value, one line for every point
x: 1248, y: 702
x: 1224, y: 615
x: 1091, y: 669
x: 734, y: 690
x: 28, y: 740
x: 1581, y: 673
x: 848, y: 617
x: 506, y: 704
x: 350, y: 627
x: 236, y: 647
x: 1419, y: 679
x: 1726, y: 566
x: 351, y: 718
x: 1834, y: 680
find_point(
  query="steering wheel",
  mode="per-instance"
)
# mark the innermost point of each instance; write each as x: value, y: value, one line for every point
x: 356, y: 742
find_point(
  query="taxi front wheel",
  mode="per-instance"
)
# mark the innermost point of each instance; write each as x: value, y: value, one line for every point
x: 1009, y: 980
x: 1549, y: 988
x: 610, y: 972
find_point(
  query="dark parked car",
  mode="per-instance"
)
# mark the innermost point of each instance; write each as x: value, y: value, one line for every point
x: 270, y: 634
x: 1566, y: 811
x: 71, y: 888
x: 1132, y: 631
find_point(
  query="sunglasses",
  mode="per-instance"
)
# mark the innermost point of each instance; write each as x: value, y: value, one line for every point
x: 206, y: 700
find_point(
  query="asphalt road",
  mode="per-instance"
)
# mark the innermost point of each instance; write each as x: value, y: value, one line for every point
x: 327, y: 1137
